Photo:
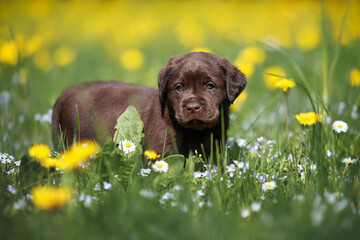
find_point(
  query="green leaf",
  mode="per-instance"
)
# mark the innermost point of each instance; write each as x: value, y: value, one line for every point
x: 176, y: 167
x: 129, y: 126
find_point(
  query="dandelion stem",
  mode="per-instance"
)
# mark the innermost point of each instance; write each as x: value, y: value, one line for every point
x: 286, y: 94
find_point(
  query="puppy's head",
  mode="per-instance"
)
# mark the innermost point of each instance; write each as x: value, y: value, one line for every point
x: 195, y: 85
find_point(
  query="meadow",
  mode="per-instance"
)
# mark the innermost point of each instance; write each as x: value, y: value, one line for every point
x: 288, y: 170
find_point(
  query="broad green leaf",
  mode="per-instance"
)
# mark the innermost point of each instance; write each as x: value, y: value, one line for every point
x: 176, y: 167
x: 129, y: 126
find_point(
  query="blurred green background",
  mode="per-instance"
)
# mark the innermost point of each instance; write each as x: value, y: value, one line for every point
x: 48, y: 45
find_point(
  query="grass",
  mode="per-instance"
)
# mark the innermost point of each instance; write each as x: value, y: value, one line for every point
x: 317, y: 196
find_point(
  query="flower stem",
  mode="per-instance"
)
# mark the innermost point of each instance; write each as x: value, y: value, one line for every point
x: 286, y: 94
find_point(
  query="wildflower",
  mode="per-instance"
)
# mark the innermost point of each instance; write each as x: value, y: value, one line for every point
x: 166, y: 196
x: 11, y: 189
x: 151, y: 154
x: 255, y: 206
x: 127, y: 146
x: 20, y: 204
x: 236, y: 105
x: 340, y: 126
x: 341, y: 108
x: 48, y: 198
x: 160, y: 166
x: 131, y: 59
x: 97, y: 187
x: 147, y: 193
x: 39, y: 151
x: 355, y: 77
x: 245, y: 213
x: 145, y: 172
x: 6, y: 158
x: 201, y: 49
x: 64, y: 56
x: 285, y: 84
x: 354, y: 114
x: 107, y: 186
x: 270, y: 78
x: 9, y: 53
x: 241, y: 142
x: 349, y: 160
x: 308, y: 118
x: 78, y: 153
x: 266, y: 186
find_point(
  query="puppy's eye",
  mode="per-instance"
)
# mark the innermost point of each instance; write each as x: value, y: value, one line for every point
x: 210, y: 86
x: 179, y: 88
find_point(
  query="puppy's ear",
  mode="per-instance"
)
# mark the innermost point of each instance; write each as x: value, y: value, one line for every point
x: 163, y: 79
x: 235, y: 80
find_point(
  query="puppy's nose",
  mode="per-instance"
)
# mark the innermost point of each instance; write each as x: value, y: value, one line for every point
x: 193, y: 107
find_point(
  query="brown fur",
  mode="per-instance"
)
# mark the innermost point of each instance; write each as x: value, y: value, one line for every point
x: 192, y: 90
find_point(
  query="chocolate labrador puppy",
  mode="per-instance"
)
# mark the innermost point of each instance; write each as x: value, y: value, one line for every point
x: 194, y: 90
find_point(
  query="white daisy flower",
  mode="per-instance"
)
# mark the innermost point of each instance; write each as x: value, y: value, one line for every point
x: 127, y: 146
x: 349, y: 160
x: 266, y: 186
x: 340, y: 126
x: 160, y: 166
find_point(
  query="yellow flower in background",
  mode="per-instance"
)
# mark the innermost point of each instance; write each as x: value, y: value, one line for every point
x: 307, y: 37
x: 131, y: 59
x: 39, y: 151
x: 48, y: 198
x: 238, y: 102
x: 246, y: 67
x: 33, y: 45
x: 64, y: 55
x: 42, y: 60
x: 201, y: 49
x: 151, y: 155
x: 248, y: 58
x: 253, y: 54
x: 355, y: 77
x: 77, y: 154
x: 9, y: 53
x: 285, y: 84
x: 51, y: 163
x: 309, y: 118
x: 271, y: 80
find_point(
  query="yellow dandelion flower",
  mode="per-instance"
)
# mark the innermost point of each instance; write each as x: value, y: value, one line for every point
x: 151, y: 154
x: 309, y: 118
x: 48, y: 198
x: 271, y: 80
x: 238, y: 102
x: 201, y: 49
x: 307, y: 36
x: 355, y: 77
x: 78, y: 153
x: 39, y: 151
x: 253, y: 54
x: 63, y: 56
x: 50, y: 162
x: 9, y: 53
x: 285, y: 84
x: 32, y: 45
x: 131, y: 59
x: 246, y: 67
